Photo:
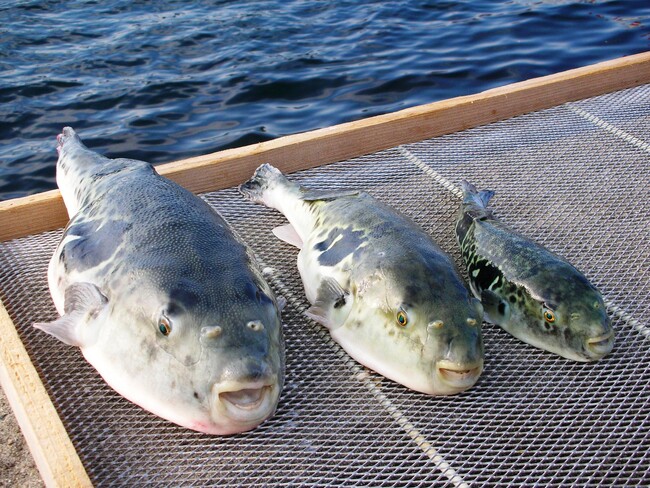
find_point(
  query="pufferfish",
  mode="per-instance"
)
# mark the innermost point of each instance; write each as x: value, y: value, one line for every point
x: 527, y: 290
x: 385, y: 291
x: 162, y: 297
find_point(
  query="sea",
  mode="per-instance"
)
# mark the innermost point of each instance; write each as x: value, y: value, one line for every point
x: 166, y: 80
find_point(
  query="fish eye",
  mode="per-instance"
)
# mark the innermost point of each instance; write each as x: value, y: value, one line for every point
x: 402, y: 318
x: 549, y: 316
x: 596, y: 305
x: 164, y: 326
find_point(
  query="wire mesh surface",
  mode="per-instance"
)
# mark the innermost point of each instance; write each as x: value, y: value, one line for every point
x: 575, y: 177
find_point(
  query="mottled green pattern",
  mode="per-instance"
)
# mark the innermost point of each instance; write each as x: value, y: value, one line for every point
x: 532, y: 293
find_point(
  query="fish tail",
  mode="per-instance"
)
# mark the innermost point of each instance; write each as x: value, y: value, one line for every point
x: 474, y: 207
x: 76, y: 169
x: 74, y: 156
x: 474, y: 197
x: 269, y: 187
x: 67, y: 136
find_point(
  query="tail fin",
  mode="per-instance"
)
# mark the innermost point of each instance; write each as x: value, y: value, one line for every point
x: 77, y: 170
x: 270, y: 187
x: 67, y: 134
x: 265, y: 177
x: 474, y: 197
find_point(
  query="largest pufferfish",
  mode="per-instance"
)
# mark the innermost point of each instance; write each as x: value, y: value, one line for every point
x: 163, y: 299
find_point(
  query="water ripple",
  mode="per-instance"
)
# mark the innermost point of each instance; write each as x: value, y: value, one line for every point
x: 162, y: 81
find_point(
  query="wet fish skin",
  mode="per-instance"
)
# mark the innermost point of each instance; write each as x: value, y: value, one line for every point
x: 362, y: 265
x: 530, y: 292
x: 163, y: 299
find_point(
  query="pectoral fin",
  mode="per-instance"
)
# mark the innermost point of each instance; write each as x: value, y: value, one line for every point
x: 288, y: 234
x: 82, y: 303
x: 331, y: 300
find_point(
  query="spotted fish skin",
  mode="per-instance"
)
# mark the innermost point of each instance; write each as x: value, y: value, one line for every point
x: 386, y: 292
x: 163, y: 299
x: 530, y: 292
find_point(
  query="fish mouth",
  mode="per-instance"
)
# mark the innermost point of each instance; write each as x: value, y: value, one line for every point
x: 245, y: 404
x: 246, y: 398
x: 601, y: 345
x: 458, y: 377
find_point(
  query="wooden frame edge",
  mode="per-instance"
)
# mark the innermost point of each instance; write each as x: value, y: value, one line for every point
x: 48, y: 441
x: 45, y: 211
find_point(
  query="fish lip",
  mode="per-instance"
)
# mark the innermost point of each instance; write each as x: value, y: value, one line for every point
x: 251, y: 405
x: 245, y: 413
x: 457, y: 376
x: 600, y: 345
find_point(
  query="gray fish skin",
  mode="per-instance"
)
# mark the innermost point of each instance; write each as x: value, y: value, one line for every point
x: 162, y: 297
x: 364, y: 268
x: 530, y: 292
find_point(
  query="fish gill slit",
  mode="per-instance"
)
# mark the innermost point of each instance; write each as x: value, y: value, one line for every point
x: 362, y: 375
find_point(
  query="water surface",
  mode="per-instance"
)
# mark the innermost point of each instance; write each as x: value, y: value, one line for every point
x: 161, y: 81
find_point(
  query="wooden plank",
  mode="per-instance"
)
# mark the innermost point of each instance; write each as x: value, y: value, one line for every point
x: 48, y: 441
x: 301, y: 151
x: 31, y: 215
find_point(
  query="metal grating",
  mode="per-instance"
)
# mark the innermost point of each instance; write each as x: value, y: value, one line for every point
x: 575, y: 177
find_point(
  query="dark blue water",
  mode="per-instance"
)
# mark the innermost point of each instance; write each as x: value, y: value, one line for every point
x: 161, y: 81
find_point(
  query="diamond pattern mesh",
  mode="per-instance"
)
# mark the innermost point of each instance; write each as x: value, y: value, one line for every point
x: 575, y: 177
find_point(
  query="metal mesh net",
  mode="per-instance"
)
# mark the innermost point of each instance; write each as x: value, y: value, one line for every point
x: 575, y: 177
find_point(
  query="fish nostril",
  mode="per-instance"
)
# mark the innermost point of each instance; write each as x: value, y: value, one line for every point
x: 436, y: 324
x: 255, y: 325
x: 211, y: 332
